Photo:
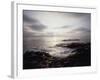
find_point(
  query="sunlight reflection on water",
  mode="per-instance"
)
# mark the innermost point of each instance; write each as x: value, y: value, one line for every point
x: 49, y: 44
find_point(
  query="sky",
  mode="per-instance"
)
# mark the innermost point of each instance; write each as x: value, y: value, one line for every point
x: 48, y: 23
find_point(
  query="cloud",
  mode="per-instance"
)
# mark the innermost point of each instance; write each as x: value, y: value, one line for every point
x: 66, y: 26
x: 32, y: 23
x: 37, y: 27
x: 26, y: 18
x: 81, y: 29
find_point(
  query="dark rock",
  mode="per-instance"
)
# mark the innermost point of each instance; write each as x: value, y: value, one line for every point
x: 33, y: 59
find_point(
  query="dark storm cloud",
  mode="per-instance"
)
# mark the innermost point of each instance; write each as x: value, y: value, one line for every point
x: 32, y: 23
x: 37, y: 27
x: 28, y: 19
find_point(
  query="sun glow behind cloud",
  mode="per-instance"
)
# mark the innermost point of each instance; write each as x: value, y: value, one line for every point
x: 47, y: 23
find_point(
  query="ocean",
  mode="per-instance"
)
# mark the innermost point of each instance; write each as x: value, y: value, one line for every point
x: 49, y: 44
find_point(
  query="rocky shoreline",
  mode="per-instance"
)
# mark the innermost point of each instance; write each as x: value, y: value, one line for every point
x: 35, y: 59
